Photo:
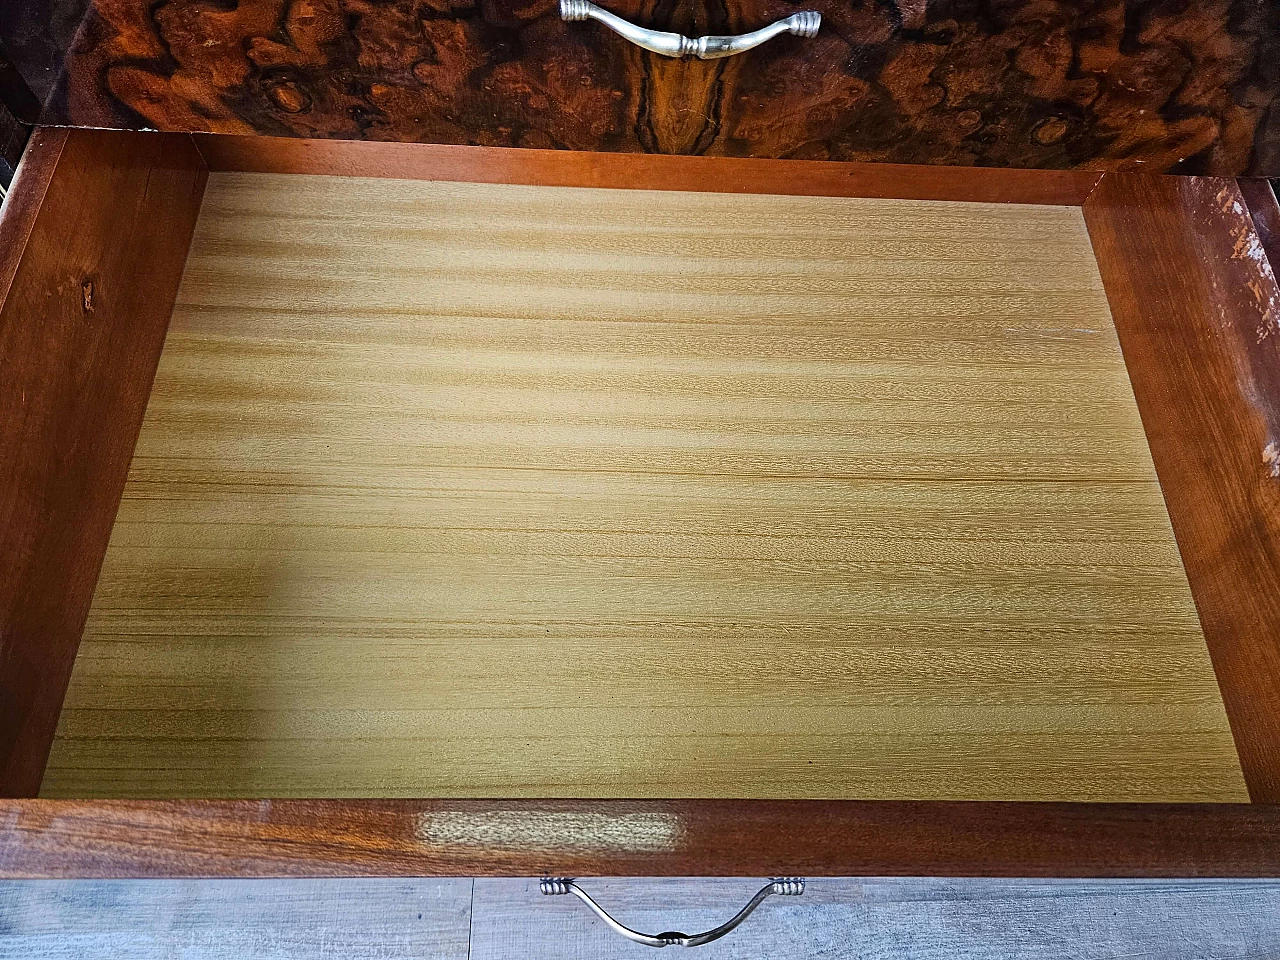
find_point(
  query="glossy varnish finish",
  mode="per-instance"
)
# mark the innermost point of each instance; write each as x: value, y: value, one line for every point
x: 317, y: 838
x: 92, y: 243
x: 463, y: 489
x: 1197, y: 308
x: 637, y: 171
x: 1047, y: 84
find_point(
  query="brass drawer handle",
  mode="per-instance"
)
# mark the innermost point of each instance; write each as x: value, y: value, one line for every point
x: 782, y: 886
x: 803, y: 24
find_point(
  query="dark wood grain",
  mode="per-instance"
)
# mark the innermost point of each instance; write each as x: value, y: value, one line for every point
x: 1197, y: 309
x: 92, y: 244
x: 420, y: 161
x: 276, y: 838
x: 1167, y: 84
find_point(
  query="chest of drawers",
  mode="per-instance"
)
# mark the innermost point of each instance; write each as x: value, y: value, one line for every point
x: 376, y: 507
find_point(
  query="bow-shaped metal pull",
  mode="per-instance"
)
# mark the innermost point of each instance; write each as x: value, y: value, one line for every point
x: 783, y: 886
x: 803, y: 24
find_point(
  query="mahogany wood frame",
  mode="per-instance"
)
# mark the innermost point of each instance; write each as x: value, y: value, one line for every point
x: 92, y: 244
x: 93, y: 240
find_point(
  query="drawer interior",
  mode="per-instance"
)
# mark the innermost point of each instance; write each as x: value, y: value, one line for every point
x: 451, y: 490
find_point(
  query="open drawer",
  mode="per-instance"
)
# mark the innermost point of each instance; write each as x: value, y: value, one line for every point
x: 378, y: 508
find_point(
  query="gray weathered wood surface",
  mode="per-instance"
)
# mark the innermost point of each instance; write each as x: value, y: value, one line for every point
x: 489, y: 919
x: 900, y: 919
x: 234, y: 919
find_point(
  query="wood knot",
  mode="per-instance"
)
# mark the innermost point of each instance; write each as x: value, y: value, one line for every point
x: 1049, y: 132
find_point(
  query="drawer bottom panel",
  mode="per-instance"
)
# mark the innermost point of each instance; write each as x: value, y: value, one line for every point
x: 485, y: 490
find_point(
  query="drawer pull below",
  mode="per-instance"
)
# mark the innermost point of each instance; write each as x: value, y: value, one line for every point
x: 802, y: 24
x: 782, y: 886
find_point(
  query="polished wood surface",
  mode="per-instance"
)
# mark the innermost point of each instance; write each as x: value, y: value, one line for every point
x: 561, y: 168
x: 456, y: 489
x: 92, y: 242
x: 1197, y: 308
x: 585, y: 838
x: 1168, y: 85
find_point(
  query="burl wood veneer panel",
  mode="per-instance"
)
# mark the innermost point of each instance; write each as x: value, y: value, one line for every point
x: 466, y: 489
x: 1167, y: 84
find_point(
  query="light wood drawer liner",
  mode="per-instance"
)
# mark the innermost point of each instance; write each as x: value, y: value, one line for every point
x: 476, y: 490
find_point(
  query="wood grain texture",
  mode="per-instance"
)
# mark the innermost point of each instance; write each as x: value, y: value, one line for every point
x: 467, y: 490
x: 1016, y: 83
x: 1264, y: 210
x: 1195, y: 302
x: 418, y: 838
x: 92, y: 242
x: 237, y: 920
x: 906, y: 919
x: 561, y: 168
x: 903, y: 919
